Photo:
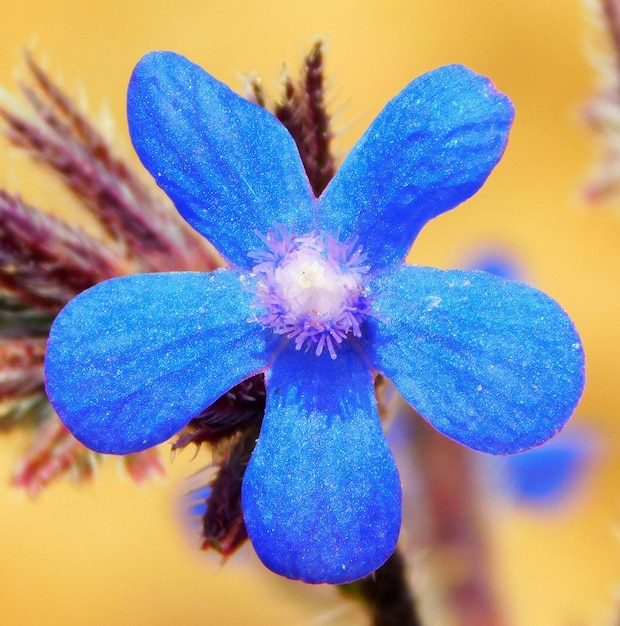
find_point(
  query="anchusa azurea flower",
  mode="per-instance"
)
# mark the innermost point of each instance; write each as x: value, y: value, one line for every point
x: 317, y: 297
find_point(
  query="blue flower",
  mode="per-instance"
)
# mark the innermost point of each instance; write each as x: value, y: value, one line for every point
x: 317, y: 296
x: 547, y: 476
x: 498, y: 262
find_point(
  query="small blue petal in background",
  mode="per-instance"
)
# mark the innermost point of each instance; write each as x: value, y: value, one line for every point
x: 498, y: 262
x: 551, y: 474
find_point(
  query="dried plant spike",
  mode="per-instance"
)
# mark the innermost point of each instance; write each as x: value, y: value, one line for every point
x: 55, y: 451
x: 20, y: 320
x: 253, y: 90
x: 63, y: 140
x: 45, y: 262
x: 302, y: 110
x: 291, y: 111
x: 61, y: 106
x: 223, y: 527
x: 21, y: 367
x: 611, y: 11
x: 237, y: 410
x: 321, y: 161
x: 231, y: 425
x: 144, y: 465
x: 602, y: 112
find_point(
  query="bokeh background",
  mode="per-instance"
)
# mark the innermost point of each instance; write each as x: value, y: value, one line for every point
x: 113, y: 553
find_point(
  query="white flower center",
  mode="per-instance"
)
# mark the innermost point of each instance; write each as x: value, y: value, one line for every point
x: 311, y: 288
x: 310, y: 285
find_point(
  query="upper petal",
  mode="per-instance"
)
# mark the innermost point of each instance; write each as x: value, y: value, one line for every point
x: 130, y: 361
x: 228, y: 165
x: 321, y: 494
x: 494, y: 364
x: 431, y: 147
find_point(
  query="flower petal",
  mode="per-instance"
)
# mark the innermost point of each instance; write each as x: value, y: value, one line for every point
x: 321, y: 494
x: 431, y: 148
x: 494, y: 364
x: 228, y: 165
x: 130, y: 361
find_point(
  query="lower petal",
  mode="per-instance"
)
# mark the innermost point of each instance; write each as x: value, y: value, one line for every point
x: 130, y: 361
x: 321, y: 494
x: 493, y: 364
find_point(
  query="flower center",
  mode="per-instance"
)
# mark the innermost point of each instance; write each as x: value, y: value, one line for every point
x: 311, y: 288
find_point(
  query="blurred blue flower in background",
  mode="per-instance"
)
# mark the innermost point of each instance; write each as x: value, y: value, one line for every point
x: 550, y: 475
x: 497, y: 261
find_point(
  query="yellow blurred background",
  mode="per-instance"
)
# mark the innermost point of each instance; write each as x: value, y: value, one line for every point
x: 112, y: 553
